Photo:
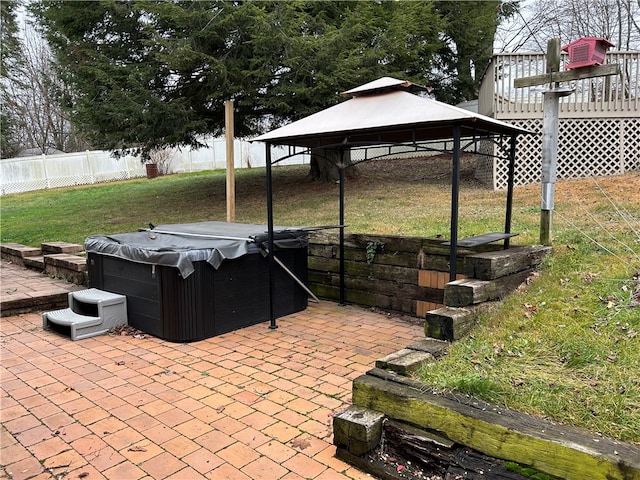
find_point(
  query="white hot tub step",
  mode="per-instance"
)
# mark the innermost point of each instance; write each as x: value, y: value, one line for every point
x: 68, y: 317
x: 91, y: 312
x: 95, y: 296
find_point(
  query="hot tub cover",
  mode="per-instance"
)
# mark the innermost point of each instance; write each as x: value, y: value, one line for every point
x: 180, y: 245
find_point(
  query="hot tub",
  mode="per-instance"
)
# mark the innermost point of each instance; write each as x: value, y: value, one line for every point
x: 193, y: 281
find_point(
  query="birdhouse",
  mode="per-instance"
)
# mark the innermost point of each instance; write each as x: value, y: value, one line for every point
x: 587, y: 52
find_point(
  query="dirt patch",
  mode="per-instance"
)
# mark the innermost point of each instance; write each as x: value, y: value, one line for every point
x: 435, y: 168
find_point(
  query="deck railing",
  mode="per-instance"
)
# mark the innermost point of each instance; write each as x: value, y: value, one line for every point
x: 599, y: 128
x: 614, y: 96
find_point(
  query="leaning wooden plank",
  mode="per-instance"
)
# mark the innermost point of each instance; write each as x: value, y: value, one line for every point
x: 554, y: 449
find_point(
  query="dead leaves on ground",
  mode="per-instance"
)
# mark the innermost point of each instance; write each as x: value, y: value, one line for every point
x: 136, y: 448
x: 127, y: 330
x: 301, y: 443
x: 530, y: 310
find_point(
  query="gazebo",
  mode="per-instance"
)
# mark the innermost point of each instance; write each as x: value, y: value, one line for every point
x: 386, y: 117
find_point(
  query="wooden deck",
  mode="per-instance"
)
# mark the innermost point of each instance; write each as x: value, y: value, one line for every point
x: 599, y: 129
x: 610, y: 97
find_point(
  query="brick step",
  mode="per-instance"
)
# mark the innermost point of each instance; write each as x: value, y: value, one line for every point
x: 61, y: 247
x: 16, y: 303
x: 16, y: 253
x: 72, y: 268
x: 65, y: 260
x: 35, y: 263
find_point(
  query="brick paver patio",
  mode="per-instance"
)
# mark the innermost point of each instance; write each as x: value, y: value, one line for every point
x: 251, y: 404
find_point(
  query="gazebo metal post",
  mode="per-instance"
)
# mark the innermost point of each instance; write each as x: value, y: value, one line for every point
x: 270, y: 240
x: 510, y: 179
x: 341, y: 223
x: 455, y: 193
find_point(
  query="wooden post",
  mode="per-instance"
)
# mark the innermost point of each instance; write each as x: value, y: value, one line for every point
x: 553, y: 76
x: 549, y: 144
x: 455, y: 199
x: 230, y: 174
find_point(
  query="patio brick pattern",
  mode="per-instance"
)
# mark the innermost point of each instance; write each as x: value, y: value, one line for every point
x: 255, y: 403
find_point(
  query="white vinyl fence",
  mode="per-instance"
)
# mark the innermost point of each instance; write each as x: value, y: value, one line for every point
x: 40, y: 172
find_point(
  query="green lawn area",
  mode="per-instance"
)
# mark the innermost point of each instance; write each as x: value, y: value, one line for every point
x: 566, y: 345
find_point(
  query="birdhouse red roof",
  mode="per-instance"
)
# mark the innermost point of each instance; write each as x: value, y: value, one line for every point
x: 587, y: 52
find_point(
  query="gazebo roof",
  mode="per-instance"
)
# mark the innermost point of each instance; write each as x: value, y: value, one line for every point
x: 384, y: 111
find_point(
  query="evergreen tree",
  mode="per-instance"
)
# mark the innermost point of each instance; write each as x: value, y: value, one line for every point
x: 147, y: 74
x: 470, y: 27
x: 9, y: 63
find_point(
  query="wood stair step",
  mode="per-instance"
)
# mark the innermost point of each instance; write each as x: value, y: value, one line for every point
x: 405, y: 361
x: 449, y: 323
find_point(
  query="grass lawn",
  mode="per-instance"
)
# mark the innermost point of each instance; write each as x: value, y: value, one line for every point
x: 566, y: 345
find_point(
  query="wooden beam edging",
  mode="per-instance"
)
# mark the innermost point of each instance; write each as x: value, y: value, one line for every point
x: 560, y: 450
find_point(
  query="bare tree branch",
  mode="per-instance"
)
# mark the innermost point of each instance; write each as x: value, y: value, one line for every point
x: 568, y: 20
x: 32, y: 91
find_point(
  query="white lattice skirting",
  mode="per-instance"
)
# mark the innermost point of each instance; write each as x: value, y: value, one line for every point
x: 586, y: 147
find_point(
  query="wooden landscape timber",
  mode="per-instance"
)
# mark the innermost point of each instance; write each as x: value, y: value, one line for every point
x: 499, y: 263
x: 559, y: 450
x: 471, y: 291
x: 404, y: 274
x: 448, y: 436
x: 442, y: 456
x: 449, y: 323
